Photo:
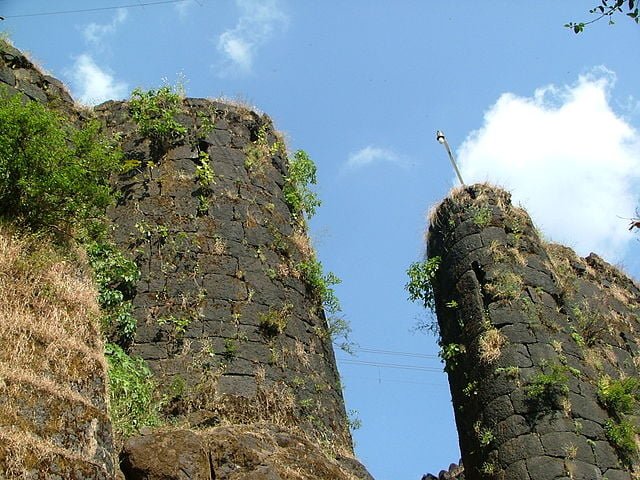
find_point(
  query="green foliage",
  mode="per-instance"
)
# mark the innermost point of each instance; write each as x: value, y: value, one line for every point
x: 179, y: 325
x: 204, y: 171
x: 450, y: 354
x: 488, y: 468
x: 206, y: 178
x: 506, y: 286
x: 591, y: 324
x: 116, y: 277
x: 619, y: 396
x: 53, y: 176
x: 353, y: 421
x: 155, y: 111
x: 259, y: 152
x: 302, y: 173
x: 482, y: 216
x: 622, y: 435
x: 131, y: 392
x: 485, y: 435
x: 321, y: 284
x: 274, y: 322
x: 230, y: 349
x: 339, y: 331
x: 422, y: 276
x: 607, y: 9
x: 547, y: 389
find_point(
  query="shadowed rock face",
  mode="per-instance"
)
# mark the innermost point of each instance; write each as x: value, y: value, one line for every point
x: 532, y: 334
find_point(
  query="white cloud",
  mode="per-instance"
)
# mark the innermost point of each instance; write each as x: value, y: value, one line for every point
x: 371, y: 154
x: 567, y: 157
x: 93, y: 85
x: 258, y: 21
x: 95, y: 33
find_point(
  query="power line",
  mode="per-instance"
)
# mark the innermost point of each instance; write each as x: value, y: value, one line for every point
x: 389, y: 380
x: 391, y: 352
x: 390, y: 365
x: 96, y: 9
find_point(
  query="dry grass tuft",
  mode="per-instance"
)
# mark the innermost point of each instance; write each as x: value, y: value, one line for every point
x: 303, y: 244
x: 490, y: 345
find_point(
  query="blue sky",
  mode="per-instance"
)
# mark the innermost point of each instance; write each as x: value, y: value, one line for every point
x: 362, y: 86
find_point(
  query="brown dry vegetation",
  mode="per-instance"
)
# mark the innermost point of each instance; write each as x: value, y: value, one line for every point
x: 51, y: 358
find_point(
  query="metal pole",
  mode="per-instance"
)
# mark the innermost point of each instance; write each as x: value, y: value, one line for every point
x: 443, y: 140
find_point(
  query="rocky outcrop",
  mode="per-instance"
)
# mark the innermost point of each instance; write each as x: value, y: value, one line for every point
x: 53, y: 399
x: 19, y: 75
x: 535, y: 341
x: 454, y: 472
x: 233, y: 452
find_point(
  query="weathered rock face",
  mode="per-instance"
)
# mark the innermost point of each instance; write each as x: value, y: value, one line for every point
x: 19, y: 75
x: 225, y: 316
x: 234, y: 452
x: 53, y: 399
x: 534, y: 338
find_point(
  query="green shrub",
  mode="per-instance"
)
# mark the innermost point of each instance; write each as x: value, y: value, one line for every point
x: 133, y: 404
x: 482, y: 216
x: 155, y: 111
x: 302, y: 173
x: 619, y: 396
x: 116, y: 277
x: 274, y: 322
x: 53, y: 176
x: 259, y: 152
x: 421, y: 281
x: 547, y: 389
x: 450, y: 355
x: 321, y: 284
x: 622, y: 435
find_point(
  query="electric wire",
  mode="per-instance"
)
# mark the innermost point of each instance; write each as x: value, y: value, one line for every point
x: 94, y: 9
x: 394, y: 353
x: 389, y: 365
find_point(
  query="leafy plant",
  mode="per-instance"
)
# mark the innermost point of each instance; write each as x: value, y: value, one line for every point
x: 178, y: 324
x: 547, y: 389
x: 321, y: 283
x: 53, y: 176
x: 608, y: 8
x: 506, y: 286
x: 297, y: 194
x: 274, y: 322
x: 116, y: 277
x: 259, y: 152
x: 619, y: 396
x: 622, y: 435
x: 133, y: 403
x: 482, y: 216
x: 450, y: 354
x: 339, y: 330
x: 230, y: 349
x: 353, y: 421
x: 204, y: 171
x: 485, y: 435
x: 422, y: 276
x: 155, y: 111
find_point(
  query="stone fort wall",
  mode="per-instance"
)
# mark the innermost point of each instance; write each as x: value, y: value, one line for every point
x: 540, y: 346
